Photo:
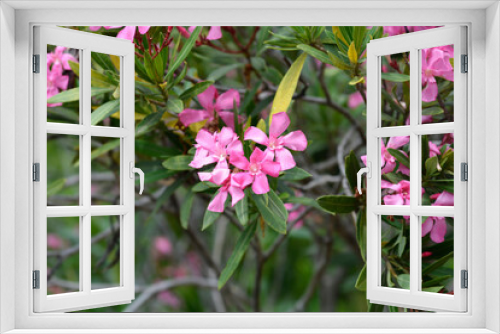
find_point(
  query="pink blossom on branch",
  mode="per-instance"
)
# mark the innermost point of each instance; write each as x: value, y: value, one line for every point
x: 214, y: 32
x: 56, y: 82
x: 128, y: 32
x: 277, y: 145
x: 435, y: 63
x: 437, y: 225
x: 215, y: 148
x: 260, y: 165
x: 163, y: 246
x: 58, y: 56
x: 212, y: 103
x: 388, y: 162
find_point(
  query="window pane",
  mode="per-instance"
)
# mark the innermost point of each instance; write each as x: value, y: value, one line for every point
x: 105, y: 89
x: 395, y: 89
x: 63, y: 255
x: 437, y: 254
x: 438, y: 169
x: 437, y: 84
x: 63, y: 173
x: 395, y: 232
x: 395, y: 163
x: 63, y: 92
x: 105, y: 169
x: 105, y: 251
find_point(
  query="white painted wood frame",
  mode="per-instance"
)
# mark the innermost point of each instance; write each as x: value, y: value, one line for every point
x: 86, y: 43
x: 413, y: 44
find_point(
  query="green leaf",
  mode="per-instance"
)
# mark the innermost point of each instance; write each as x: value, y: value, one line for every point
x: 239, y: 251
x: 351, y: 170
x: 198, y: 88
x: 272, y: 209
x: 104, y: 111
x: 186, y: 49
x: 156, y: 175
x: 242, y: 209
x: 295, y: 174
x: 361, y: 229
x: 108, y: 146
x: 222, y: 71
x: 337, y: 62
x: 175, y: 106
x: 375, y: 307
x: 186, y: 207
x: 73, y: 94
x: 287, y: 86
x: 436, y: 280
x: 147, y: 123
x: 400, y: 157
x: 433, y: 289
x: 318, y: 54
x: 432, y: 111
x: 361, y: 280
x: 153, y: 150
x: 338, y: 203
x: 395, y: 77
x: 404, y: 281
x: 437, y: 264
x: 55, y: 187
x: 304, y: 201
x: 180, y: 162
x: 203, y: 186
x: 431, y: 166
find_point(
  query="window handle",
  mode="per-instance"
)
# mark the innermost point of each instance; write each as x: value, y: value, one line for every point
x: 362, y: 171
x: 139, y: 171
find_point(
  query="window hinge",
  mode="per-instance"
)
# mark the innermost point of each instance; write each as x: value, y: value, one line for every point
x: 36, y: 63
x: 36, y: 172
x: 36, y: 279
x: 465, y: 64
x: 464, y: 171
x: 465, y: 279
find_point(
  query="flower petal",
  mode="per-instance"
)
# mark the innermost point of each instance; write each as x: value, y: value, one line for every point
x: 236, y: 195
x: 127, y: 33
x: 143, y: 29
x: 219, y: 202
x: 430, y: 92
x: 190, y: 116
x: 285, y: 159
x: 226, y: 136
x: 445, y: 199
x: 206, y: 140
x: 260, y: 184
x: 236, y: 147
x: 207, y: 98
x: 295, y: 140
x: 427, y: 226
x: 228, y: 118
x: 239, y: 161
x: 241, y: 180
x: 214, y: 33
x: 220, y: 175
x: 226, y: 100
x: 257, y: 155
x: 271, y: 168
x: 257, y: 135
x: 397, y: 142
x: 394, y: 199
x: 439, y: 230
x: 280, y: 123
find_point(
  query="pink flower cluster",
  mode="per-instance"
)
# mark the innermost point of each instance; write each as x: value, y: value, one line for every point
x: 57, y: 62
x: 233, y: 171
x: 128, y: 32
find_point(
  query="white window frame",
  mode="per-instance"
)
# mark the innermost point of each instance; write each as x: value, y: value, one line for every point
x: 86, y: 297
x: 483, y: 20
x: 413, y: 43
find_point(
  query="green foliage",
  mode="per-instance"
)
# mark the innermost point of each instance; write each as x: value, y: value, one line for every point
x: 338, y: 203
x: 272, y: 210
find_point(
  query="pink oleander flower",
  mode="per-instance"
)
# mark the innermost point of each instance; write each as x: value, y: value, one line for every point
x: 169, y: 299
x: 260, y: 165
x: 433, y: 150
x: 214, y: 32
x: 53, y: 241
x: 211, y: 103
x: 58, y: 56
x: 355, y: 99
x: 437, y: 225
x: 398, y: 30
x: 275, y: 144
x: 402, y: 195
x: 233, y: 184
x: 215, y: 148
x: 128, y: 32
x: 426, y: 254
x: 56, y: 82
x: 294, y: 214
x: 388, y: 162
x: 435, y: 63
x: 163, y: 246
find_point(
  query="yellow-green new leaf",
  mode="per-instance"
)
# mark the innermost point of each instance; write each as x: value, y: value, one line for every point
x: 287, y: 86
x: 353, y: 55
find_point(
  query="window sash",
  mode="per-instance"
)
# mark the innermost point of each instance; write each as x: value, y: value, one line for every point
x: 414, y: 298
x: 86, y: 298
